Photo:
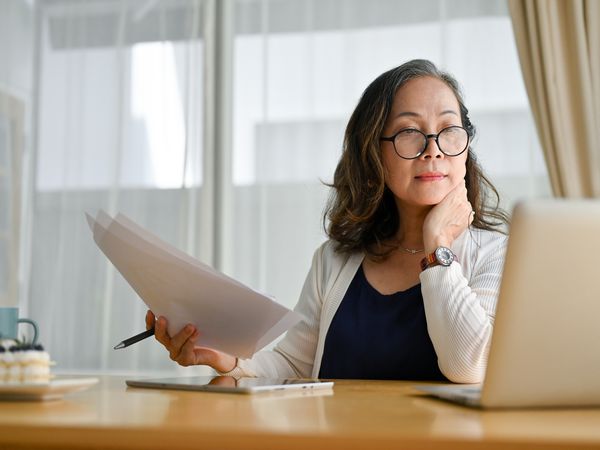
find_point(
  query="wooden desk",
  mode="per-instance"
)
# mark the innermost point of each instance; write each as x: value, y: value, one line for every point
x: 357, y: 415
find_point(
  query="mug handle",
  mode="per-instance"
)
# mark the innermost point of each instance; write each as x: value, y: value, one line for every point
x: 35, y: 329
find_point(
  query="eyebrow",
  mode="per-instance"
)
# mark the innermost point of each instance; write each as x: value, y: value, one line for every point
x: 414, y: 114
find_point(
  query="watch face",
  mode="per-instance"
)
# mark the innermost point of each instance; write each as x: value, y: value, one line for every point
x: 444, y: 256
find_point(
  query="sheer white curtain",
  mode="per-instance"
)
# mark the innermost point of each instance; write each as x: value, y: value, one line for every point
x: 119, y: 127
x: 16, y: 55
x: 299, y: 70
x: 119, y: 123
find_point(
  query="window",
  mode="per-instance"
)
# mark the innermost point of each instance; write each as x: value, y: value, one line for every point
x: 299, y: 70
x: 125, y: 123
x: 121, y: 128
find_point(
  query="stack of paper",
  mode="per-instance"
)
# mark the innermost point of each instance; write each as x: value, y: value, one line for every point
x: 230, y: 316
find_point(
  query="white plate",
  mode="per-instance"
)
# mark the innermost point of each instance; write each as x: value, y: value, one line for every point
x: 50, y: 390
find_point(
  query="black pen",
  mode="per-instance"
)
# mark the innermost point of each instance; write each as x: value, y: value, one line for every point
x: 133, y: 339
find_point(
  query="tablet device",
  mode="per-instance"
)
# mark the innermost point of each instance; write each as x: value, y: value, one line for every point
x: 230, y: 384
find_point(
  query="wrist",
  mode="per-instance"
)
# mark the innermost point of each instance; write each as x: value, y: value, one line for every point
x: 438, y: 241
x: 237, y: 372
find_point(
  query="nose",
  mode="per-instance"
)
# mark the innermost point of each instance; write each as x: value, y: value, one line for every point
x: 432, y: 150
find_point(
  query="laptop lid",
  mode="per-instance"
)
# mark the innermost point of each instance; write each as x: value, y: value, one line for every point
x: 545, y: 349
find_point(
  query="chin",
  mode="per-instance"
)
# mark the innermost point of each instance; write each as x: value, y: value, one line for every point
x: 430, y: 200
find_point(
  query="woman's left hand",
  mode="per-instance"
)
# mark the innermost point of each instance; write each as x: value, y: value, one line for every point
x: 448, y: 219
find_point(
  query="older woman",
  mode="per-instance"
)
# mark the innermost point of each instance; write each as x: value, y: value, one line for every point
x: 406, y: 286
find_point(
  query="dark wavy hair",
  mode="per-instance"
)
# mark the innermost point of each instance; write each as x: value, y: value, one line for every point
x: 361, y: 213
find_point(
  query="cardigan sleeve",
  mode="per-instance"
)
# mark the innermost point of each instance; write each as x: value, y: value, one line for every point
x: 294, y: 355
x: 460, y: 311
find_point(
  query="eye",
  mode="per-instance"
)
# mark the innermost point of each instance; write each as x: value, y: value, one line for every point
x: 452, y: 128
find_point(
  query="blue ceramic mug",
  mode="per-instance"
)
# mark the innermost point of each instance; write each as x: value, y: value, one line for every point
x: 9, y: 323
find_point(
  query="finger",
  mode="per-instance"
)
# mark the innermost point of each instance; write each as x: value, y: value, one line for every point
x: 457, y: 195
x: 461, y: 187
x: 179, y: 340
x: 150, y: 319
x: 187, y: 355
x: 160, y: 332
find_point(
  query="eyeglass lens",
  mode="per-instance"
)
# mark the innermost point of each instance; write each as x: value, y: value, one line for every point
x: 411, y: 143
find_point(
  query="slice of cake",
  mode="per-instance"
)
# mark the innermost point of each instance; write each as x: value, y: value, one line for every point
x: 23, y: 363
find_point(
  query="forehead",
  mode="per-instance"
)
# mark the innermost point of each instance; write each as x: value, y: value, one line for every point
x: 424, y: 95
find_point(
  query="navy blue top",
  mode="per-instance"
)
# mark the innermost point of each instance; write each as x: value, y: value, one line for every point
x: 376, y: 336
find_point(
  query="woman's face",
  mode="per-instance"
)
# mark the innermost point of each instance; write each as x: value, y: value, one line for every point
x: 429, y: 105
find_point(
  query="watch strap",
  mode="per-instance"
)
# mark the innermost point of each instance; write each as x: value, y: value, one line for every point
x: 429, y: 261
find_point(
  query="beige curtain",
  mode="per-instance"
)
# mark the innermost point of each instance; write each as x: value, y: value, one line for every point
x: 559, y: 48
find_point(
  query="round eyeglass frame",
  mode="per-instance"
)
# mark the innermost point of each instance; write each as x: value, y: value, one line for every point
x: 426, y: 138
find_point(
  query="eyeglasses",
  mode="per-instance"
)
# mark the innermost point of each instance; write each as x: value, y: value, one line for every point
x: 410, y: 143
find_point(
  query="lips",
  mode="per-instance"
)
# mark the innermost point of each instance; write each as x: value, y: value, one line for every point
x: 431, y: 176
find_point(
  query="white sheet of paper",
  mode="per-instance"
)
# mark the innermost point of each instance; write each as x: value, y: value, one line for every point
x: 230, y: 316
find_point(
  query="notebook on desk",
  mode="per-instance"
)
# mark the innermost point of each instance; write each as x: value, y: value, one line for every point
x: 545, y: 348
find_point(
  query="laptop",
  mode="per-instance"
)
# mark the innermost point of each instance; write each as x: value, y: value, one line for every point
x: 545, y: 348
x: 232, y: 385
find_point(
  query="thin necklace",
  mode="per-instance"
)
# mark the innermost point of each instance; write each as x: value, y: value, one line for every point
x: 412, y: 251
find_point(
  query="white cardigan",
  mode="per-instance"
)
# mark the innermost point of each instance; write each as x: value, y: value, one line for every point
x: 460, y: 303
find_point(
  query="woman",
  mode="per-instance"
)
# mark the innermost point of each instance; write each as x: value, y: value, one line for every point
x: 406, y: 287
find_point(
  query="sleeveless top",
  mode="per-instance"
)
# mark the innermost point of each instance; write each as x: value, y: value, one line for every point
x: 377, y: 336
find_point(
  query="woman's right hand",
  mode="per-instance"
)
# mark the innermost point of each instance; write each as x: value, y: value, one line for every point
x: 448, y: 219
x: 183, y: 349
